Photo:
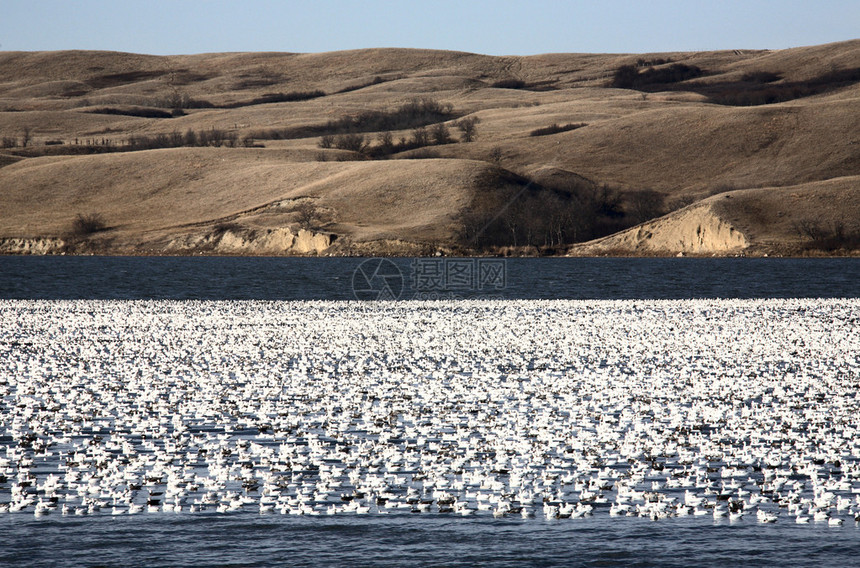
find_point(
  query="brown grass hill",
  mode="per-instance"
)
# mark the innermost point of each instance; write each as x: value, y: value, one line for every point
x: 401, y: 151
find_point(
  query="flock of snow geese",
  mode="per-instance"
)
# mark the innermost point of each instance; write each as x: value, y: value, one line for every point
x: 742, y: 410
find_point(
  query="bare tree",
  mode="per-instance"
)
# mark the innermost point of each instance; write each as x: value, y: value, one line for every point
x: 351, y: 142
x: 386, y: 142
x: 644, y: 205
x: 440, y: 134
x: 85, y: 225
x: 467, y: 127
x: 306, y: 215
x: 420, y: 137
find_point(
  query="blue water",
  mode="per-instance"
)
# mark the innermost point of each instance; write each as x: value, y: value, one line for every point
x: 408, y: 540
x: 235, y: 278
x: 247, y: 539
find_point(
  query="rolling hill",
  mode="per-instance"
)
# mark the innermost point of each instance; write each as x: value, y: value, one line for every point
x: 399, y: 151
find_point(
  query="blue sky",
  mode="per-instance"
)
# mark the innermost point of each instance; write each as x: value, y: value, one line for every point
x: 496, y: 28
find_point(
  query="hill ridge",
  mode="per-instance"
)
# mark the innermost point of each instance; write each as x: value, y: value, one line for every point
x: 567, y: 153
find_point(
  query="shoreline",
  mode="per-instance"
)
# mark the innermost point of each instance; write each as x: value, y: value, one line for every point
x: 755, y: 255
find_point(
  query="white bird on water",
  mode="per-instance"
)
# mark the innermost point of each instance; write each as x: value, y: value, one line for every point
x: 204, y: 415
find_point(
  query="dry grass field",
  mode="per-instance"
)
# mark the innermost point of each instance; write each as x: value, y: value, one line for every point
x: 396, y: 151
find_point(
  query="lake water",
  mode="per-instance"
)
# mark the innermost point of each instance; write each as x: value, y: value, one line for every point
x: 402, y: 539
x: 249, y: 540
x: 236, y: 278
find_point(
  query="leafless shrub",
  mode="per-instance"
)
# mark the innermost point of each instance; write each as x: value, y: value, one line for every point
x: 413, y: 114
x: 440, y: 134
x: 386, y: 143
x: 832, y: 237
x: 629, y: 76
x: 556, y: 128
x: 85, y: 225
x: 509, y: 84
x: 352, y: 142
x: 644, y: 205
x: 307, y: 216
x: 178, y: 101
x: 268, y: 98
x: 140, y: 112
x: 227, y: 227
x: 375, y: 81
x: 420, y: 137
x: 496, y: 155
x: 468, y: 128
x: 642, y: 62
x: 515, y: 211
x: 417, y: 112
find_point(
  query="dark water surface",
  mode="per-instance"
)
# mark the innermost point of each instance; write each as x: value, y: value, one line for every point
x: 237, y: 278
x: 416, y: 540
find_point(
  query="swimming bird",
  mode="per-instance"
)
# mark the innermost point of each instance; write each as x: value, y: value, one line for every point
x: 766, y: 517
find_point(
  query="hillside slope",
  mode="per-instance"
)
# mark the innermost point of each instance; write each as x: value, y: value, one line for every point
x: 730, y: 152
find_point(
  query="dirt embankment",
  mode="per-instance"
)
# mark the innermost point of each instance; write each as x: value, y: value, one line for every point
x: 41, y: 245
x: 694, y: 230
x: 237, y: 241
